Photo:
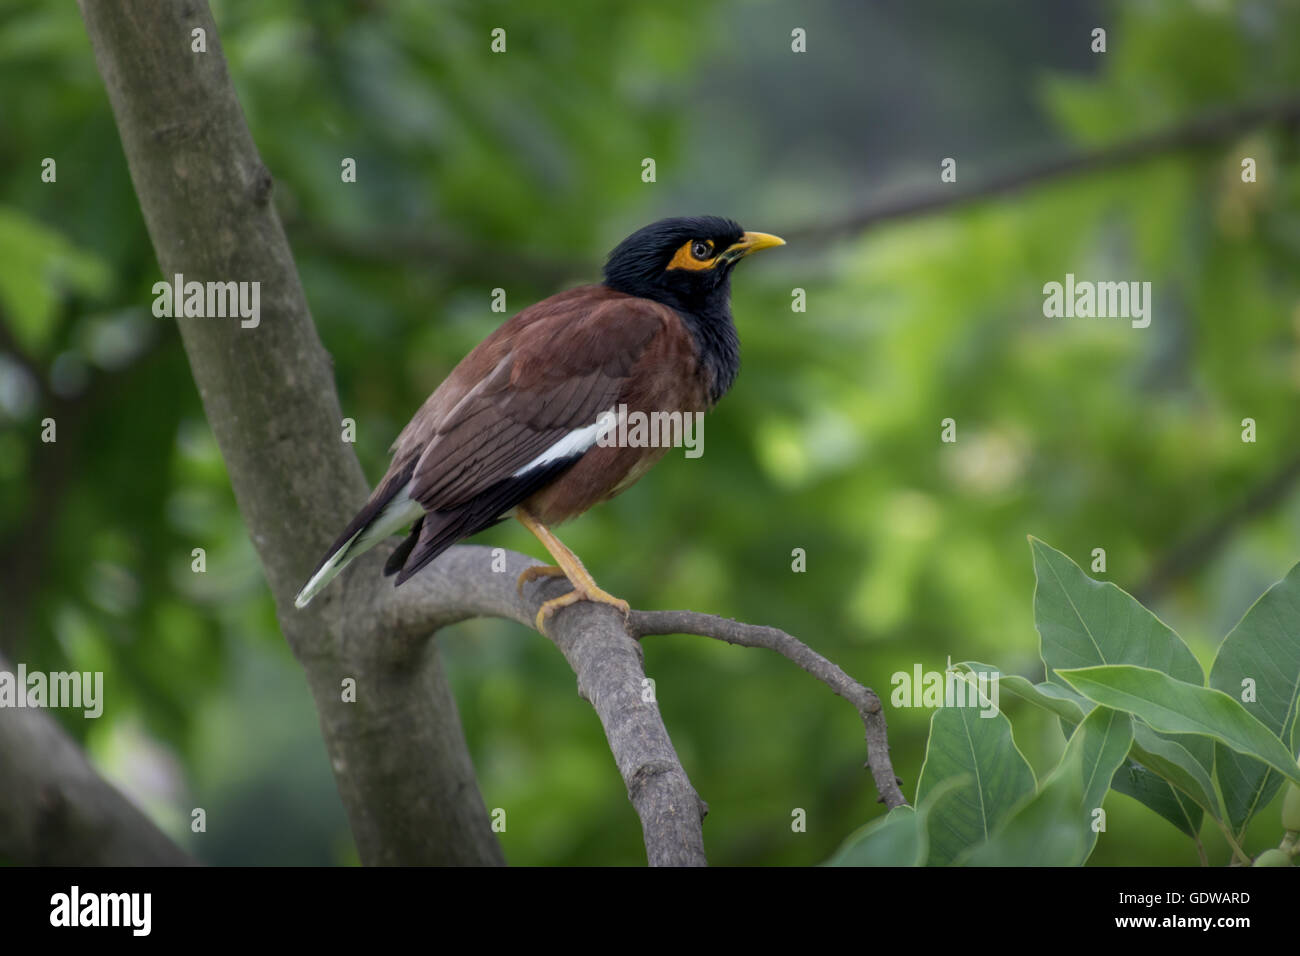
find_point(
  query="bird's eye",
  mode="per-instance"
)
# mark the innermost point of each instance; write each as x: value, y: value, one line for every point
x: 701, y: 249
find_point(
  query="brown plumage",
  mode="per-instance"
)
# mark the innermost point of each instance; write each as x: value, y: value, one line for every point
x: 512, y: 429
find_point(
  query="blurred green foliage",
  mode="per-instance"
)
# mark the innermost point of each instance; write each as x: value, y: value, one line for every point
x: 520, y: 171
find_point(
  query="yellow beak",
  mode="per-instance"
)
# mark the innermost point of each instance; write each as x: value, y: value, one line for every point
x: 751, y: 242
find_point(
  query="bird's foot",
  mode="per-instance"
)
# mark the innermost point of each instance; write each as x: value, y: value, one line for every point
x: 584, y: 591
x: 535, y: 572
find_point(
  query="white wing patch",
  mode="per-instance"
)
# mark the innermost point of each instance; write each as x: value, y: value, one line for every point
x: 575, y: 443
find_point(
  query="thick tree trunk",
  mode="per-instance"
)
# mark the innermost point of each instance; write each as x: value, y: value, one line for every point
x: 398, y: 753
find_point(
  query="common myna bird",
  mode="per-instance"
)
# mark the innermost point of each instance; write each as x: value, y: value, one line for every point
x: 513, y: 429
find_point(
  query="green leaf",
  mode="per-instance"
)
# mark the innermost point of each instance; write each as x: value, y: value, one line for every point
x: 1154, y: 792
x: 1048, y: 828
x: 1177, y: 765
x: 1178, y: 707
x: 1055, y: 698
x: 1084, y: 623
x: 1054, y: 827
x: 963, y: 743
x: 1103, y: 740
x: 1131, y: 778
x: 898, y: 838
x: 1262, y: 649
x: 1081, y: 623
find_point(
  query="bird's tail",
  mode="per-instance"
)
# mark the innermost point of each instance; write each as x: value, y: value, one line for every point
x: 389, y: 510
x: 334, y: 562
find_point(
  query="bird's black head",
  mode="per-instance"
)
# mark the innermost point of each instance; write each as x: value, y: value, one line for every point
x: 685, y: 262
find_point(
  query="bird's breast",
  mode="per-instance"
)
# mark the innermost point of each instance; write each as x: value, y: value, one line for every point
x: 602, y: 473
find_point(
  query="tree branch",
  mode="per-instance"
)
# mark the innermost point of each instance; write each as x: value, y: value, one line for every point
x: 1199, y: 131
x: 56, y: 810
x: 603, y: 653
x: 610, y: 669
x: 646, y: 623
x: 423, y: 246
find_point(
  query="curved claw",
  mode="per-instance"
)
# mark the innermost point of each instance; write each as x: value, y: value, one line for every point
x: 573, y: 597
x: 537, y: 571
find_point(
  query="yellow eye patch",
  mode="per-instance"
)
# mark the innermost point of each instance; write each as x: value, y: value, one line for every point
x: 685, y: 259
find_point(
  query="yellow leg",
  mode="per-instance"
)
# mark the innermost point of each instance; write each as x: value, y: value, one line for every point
x: 584, y: 588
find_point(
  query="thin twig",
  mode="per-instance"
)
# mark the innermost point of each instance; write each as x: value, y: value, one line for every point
x: 646, y: 623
